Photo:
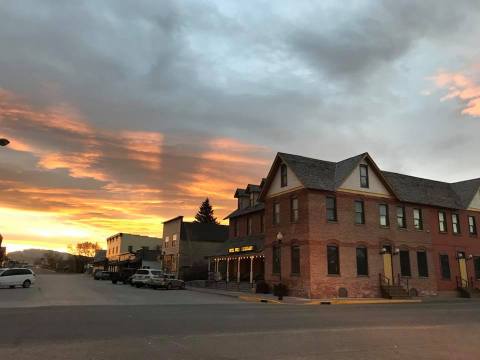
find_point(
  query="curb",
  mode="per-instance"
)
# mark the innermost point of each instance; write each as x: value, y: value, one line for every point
x: 361, y: 302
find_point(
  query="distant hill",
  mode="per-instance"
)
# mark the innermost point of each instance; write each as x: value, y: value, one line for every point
x: 31, y: 255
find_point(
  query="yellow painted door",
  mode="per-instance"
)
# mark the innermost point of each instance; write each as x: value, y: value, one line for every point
x: 387, y: 267
x: 463, y: 271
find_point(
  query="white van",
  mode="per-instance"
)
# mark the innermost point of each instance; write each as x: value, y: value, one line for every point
x: 12, y: 277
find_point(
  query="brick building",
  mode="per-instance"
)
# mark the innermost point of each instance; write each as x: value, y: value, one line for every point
x: 350, y: 229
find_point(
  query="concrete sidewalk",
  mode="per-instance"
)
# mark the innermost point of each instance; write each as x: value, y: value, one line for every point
x: 291, y: 300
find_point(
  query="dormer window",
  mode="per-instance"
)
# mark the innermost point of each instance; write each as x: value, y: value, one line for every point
x: 283, y: 175
x: 252, y: 199
x: 364, y: 176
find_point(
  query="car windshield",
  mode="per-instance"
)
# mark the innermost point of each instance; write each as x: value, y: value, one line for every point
x: 142, y: 272
x: 156, y: 273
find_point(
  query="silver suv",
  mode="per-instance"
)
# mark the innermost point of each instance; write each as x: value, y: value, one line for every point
x: 142, y: 276
x: 166, y: 281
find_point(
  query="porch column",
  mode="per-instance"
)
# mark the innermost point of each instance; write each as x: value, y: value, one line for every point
x: 209, y: 263
x: 228, y: 269
x: 238, y: 270
x: 216, y: 265
x: 251, y: 270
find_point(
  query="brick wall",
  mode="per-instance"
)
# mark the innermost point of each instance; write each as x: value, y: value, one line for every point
x: 313, y: 233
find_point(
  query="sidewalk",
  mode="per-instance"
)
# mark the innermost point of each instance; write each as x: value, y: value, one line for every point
x: 291, y: 300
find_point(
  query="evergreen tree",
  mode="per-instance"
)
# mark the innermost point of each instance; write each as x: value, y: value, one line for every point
x: 205, y: 214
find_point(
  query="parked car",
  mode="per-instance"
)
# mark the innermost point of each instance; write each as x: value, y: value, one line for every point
x: 17, y: 277
x: 124, y: 276
x: 166, y: 281
x: 142, y: 276
x: 101, y: 275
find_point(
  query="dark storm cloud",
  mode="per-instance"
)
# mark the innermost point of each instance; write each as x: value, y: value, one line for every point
x: 376, y: 35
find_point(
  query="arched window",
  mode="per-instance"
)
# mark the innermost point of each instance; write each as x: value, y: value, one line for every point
x: 283, y: 175
x: 362, y: 261
x: 333, y: 260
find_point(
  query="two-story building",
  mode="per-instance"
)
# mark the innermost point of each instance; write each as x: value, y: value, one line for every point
x: 187, y: 245
x: 123, y: 243
x: 350, y: 229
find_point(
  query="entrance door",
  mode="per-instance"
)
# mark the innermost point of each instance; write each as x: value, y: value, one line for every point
x: 387, y: 264
x: 463, y: 269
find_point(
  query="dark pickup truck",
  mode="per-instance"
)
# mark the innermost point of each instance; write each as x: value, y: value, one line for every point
x: 122, y: 276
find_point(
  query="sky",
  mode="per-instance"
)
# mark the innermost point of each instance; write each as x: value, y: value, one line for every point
x: 122, y: 114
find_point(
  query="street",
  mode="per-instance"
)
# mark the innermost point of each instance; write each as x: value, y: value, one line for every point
x: 75, y: 317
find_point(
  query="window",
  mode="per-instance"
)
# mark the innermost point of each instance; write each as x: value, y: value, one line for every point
x: 130, y: 248
x: 383, y: 209
x: 236, y: 227
x: 442, y: 221
x: 249, y: 226
x: 445, y: 266
x: 283, y: 175
x: 362, y: 261
x: 331, y: 203
x: 333, y: 260
x: 422, y: 263
x: 455, y: 224
x: 359, y: 212
x: 476, y: 263
x: 472, y: 225
x: 167, y: 239
x: 295, y: 255
x: 262, y: 223
x: 417, y: 219
x: 364, y: 176
x: 252, y: 199
x: 276, y: 214
x: 402, y: 224
x: 276, y: 264
x: 405, y: 263
x: 294, y: 209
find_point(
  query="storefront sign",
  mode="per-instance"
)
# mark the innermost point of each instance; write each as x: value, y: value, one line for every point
x: 241, y: 249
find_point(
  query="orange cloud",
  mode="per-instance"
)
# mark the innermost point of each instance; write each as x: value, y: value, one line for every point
x: 462, y: 87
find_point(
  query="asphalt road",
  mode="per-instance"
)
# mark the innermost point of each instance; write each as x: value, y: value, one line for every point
x: 193, y: 325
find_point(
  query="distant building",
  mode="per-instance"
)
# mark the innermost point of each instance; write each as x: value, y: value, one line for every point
x: 186, y: 245
x: 100, y: 260
x: 128, y: 243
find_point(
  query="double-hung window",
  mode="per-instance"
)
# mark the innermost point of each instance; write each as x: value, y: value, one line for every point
x: 417, y: 219
x: 383, y: 212
x: 331, y: 204
x: 364, y: 176
x: 442, y: 221
x: 422, y: 263
x: 405, y: 263
x: 294, y: 209
x: 333, y: 260
x: 359, y: 212
x: 472, y: 225
x: 283, y: 175
x: 401, y: 220
x: 276, y: 214
x: 455, y: 223
x: 362, y: 261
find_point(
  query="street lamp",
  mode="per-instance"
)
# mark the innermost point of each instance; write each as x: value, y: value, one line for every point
x: 4, y: 142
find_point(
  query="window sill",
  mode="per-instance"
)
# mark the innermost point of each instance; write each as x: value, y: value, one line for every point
x: 384, y: 226
x: 332, y: 221
x: 333, y: 275
x: 457, y: 234
x: 445, y: 279
x: 359, y: 224
x: 443, y: 232
x: 423, y: 277
x: 363, y: 276
x: 295, y: 274
x: 473, y: 235
x: 402, y: 228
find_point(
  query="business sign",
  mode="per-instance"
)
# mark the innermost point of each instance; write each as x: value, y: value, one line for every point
x: 241, y: 249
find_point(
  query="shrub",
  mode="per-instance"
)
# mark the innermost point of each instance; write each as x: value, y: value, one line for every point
x: 262, y: 287
x: 280, y: 290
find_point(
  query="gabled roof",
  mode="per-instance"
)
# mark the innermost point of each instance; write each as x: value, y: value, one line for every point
x: 253, y: 188
x: 240, y: 193
x: 329, y: 176
x: 466, y: 191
